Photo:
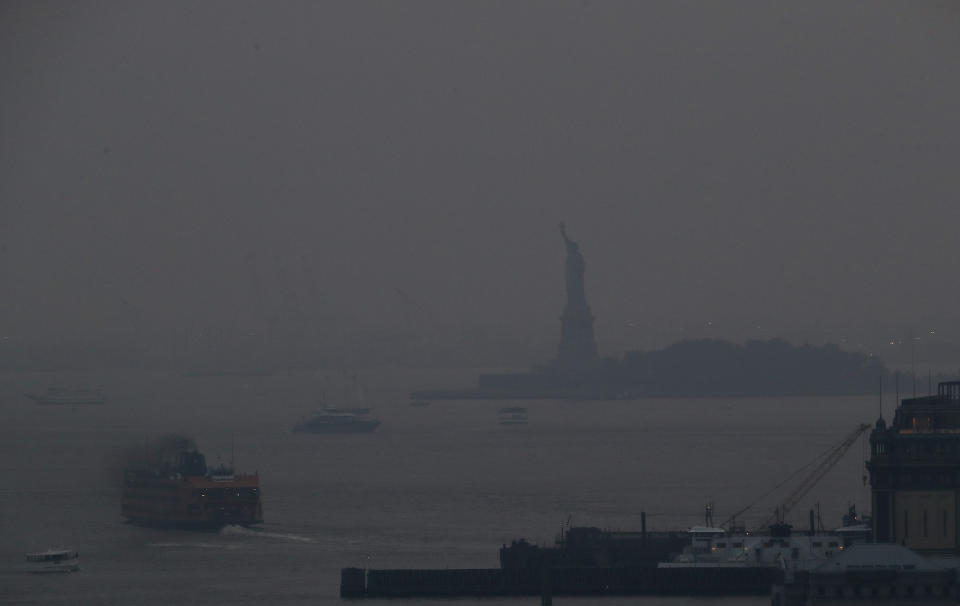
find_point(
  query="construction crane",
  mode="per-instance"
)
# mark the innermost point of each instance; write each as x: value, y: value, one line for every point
x: 827, y: 461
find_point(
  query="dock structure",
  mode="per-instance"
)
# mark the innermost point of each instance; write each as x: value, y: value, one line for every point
x: 562, y: 581
x: 871, y: 573
x: 586, y: 561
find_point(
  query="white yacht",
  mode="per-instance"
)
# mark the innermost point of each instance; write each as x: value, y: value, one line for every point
x: 334, y: 420
x: 53, y: 560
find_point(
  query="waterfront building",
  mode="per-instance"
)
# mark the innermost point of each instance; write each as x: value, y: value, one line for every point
x: 915, y: 473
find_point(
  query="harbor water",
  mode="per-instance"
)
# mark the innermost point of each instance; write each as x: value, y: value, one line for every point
x: 438, y: 486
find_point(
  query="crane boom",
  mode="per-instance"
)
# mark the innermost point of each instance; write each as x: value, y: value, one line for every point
x: 831, y: 459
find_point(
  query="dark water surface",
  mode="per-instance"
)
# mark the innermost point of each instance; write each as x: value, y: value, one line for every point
x: 435, y: 486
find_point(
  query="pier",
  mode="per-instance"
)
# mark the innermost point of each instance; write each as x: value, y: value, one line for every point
x: 560, y: 581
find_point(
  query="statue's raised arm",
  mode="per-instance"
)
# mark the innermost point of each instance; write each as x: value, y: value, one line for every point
x: 572, y: 248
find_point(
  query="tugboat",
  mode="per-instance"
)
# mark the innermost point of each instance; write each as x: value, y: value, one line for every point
x: 186, y: 494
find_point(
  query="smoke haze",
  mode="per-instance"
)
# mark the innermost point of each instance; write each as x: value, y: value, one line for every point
x: 178, y: 172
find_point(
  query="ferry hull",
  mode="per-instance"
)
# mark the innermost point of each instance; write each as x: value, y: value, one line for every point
x: 211, y: 525
x: 191, y: 503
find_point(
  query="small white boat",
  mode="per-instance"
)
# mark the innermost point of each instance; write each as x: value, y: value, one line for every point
x: 53, y: 560
x: 712, y: 547
x: 513, y: 415
x: 61, y: 395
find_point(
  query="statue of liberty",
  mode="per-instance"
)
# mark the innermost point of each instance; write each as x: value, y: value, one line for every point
x: 578, y: 349
x: 576, y: 295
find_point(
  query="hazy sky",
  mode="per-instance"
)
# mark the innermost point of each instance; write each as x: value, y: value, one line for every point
x: 405, y: 164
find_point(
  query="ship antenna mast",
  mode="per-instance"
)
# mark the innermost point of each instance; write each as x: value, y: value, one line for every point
x: 897, y: 381
x: 880, y: 403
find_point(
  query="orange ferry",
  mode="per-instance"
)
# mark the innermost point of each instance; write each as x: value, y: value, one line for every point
x: 188, y: 495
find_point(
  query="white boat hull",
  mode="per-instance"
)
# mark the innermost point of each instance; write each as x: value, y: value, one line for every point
x: 61, y: 567
x: 54, y: 560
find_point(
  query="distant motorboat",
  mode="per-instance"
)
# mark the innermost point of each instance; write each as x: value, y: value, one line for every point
x: 513, y: 415
x: 332, y: 420
x: 347, y: 410
x: 220, y: 372
x: 63, y: 395
x: 53, y: 560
